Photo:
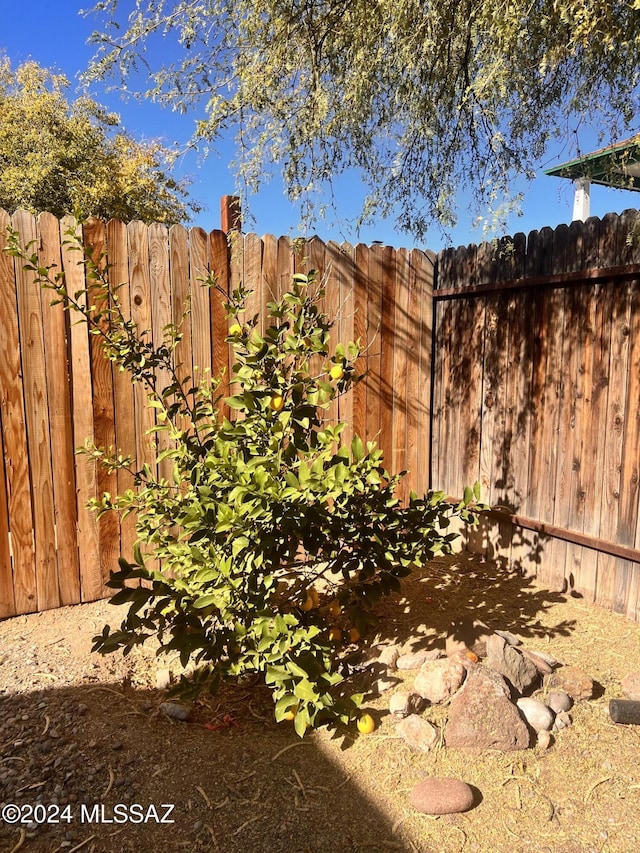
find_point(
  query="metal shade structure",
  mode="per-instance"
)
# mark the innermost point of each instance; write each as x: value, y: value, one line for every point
x: 617, y: 166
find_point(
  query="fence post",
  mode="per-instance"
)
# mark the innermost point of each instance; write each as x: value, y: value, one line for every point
x: 230, y: 214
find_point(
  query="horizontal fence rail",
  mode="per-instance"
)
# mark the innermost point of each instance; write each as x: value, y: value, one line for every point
x: 537, y: 395
x: 57, y: 389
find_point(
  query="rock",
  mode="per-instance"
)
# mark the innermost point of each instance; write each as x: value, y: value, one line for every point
x: 402, y: 704
x: 509, y: 637
x: 544, y: 739
x: 442, y: 796
x: 562, y: 721
x: 389, y: 656
x: 175, y: 711
x: 541, y: 664
x: 536, y: 713
x: 418, y: 732
x: 481, y: 715
x: 412, y: 660
x: 467, y: 635
x: 163, y: 679
x: 381, y: 685
x: 573, y: 681
x: 467, y: 659
x: 559, y: 701
x: 519, y: 671
x: 438, y: 680
x: 547, y: 658
x: 631, y: 686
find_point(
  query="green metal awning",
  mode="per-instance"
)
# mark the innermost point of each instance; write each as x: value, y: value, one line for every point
x: 616, y: 166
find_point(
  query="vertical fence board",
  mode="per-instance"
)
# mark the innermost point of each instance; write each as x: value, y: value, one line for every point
x: 423, y: 263
x: 388, y: 394
x: 333, y: 310
x: 14, y: 437
x: 360, y: 334
x: 7, y: 597
x: 91, y: 579
x: 59, y: 397
x: 161, y: 316
x: 613, y: 450
x: 252, y: 274
x: 180, y: 298
x: 103, y: 403
x: 38, y: 424
x: 123, y: 393
x: 343, y: 260
x: 423, y: 475
x: 402, y: 354
x: 140, y: 290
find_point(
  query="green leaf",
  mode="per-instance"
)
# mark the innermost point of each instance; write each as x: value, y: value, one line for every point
x: 357, y: 448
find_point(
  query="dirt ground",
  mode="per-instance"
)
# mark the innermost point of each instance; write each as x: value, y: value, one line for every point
x: 80, y: 733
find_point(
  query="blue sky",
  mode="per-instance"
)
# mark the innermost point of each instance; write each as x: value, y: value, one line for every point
x: 55, y: 35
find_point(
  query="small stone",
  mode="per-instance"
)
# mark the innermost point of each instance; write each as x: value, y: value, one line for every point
x: 389, y: 657
x: 381, y: 685
x: 175, y: 711
x: 540, y: 663
x: 573, y: 681
x: 403, y: 704
x: 438, y: 680
x: 163, y: 679
x: 559, y: 701
x: 562, y: 720
x: 631, y: 686
x: 547, y: 658
x: 442, y: 796
x: 418, y: 732
x: 544, y: 739
x: 536, y: 713
x: 399, y: 705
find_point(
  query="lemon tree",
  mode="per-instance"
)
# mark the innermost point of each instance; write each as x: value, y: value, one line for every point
x: 275, y: 538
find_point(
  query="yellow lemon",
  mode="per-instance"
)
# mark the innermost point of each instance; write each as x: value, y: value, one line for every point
x: 336, y: 373
x: 335, y: 635
x: 291, y: 713
x: 366, y: 724
x: 334, y: 608
x: 354, y: 635
x: 236, y: 329
x: 276, y: 402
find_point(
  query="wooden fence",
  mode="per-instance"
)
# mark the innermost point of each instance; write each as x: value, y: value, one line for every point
x: 537, y: 395
x: 56, y: 388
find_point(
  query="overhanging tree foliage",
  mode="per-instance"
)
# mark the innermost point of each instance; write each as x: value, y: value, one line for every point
x: 423, y: 98
x: 64, y: 157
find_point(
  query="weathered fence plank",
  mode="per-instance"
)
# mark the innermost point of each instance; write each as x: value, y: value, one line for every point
x: 89, y: 556
x: 123, y: 394
x: 36, y: 406
x: 61, y: 424
x: 14, y: 439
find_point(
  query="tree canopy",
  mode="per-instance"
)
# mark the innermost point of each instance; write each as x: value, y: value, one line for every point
x: 73, y: 157
x: 423, y: 98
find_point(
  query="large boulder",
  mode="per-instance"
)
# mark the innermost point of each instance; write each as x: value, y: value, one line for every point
x: 482, y: 715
